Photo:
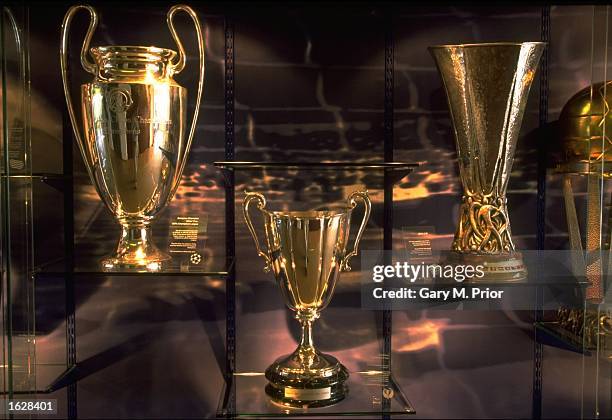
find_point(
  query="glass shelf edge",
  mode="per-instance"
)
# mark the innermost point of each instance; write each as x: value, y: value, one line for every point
x: 389, y: 166
x: 100, y: 274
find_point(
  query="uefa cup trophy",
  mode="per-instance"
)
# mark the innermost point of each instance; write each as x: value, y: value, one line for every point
x: 132, y: 138
x: 487, y: 87
x: 306, y: 250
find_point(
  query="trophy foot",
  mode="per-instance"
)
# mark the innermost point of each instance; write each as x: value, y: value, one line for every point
x: 497, y: 268
x: 136, y: 252
x: 319, y: 383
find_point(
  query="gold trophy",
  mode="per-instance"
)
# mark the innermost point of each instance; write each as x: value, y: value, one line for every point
x: 306, y: 250
x: 133, y: 135
x: 487, y: 87
x: 587, y: 154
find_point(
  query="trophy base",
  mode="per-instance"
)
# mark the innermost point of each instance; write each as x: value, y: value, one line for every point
x: 500, y: 268
x: 321, y: 384
x: 136, y: 252
x: 150, y: 263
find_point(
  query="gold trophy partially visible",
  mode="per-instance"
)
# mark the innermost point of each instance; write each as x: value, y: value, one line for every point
x: 306, y: 250
x: 587, y: 153
x: 487, y: 87
x: 133, y: 134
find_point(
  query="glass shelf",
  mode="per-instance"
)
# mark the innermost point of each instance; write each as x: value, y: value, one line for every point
x: 396, y: 170
x: 366, y: 398
x: 557, y: 334
x: 38, y: 176
x: 363, y: 166
x: 99, y: 274
x: 171, y: 271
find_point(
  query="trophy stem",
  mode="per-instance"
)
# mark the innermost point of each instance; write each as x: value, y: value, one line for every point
x: 135, y: 250
x: 306, y: 350
x: 484, y: 225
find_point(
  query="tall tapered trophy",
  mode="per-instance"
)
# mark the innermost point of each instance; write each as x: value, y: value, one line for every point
x: 133, y: 136
x: 487, y: 87
x: 306, y: 251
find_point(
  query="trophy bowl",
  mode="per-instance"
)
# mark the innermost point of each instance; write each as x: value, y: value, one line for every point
x: 133, y: 134
x: 306, y: 251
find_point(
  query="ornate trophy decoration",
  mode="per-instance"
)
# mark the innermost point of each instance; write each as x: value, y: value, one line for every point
x: 306, y: 250
x: 587, y: 153
x: 487, y: 87
x: 133, y: 136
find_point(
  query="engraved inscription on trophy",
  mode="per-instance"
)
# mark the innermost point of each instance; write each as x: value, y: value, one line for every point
x: 119, y: 100
x: 132, y: 125
x: 307, y: 394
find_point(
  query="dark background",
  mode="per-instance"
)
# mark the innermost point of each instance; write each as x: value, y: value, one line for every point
x: 309, y: 86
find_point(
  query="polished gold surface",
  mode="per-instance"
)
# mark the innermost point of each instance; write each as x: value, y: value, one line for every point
x: 133, y: 138
x: 582, y: 129
x: 487, y: 87
x: 306, y: 252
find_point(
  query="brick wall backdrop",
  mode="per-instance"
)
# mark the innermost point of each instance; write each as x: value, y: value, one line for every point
x: 309, y: 87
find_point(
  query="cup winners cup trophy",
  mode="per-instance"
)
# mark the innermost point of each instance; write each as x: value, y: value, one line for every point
x: 133, y: 136
x: 306, y: 250
x: 487, y: 87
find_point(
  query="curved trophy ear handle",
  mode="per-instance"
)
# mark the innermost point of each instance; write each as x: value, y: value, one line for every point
x: 363, y: 195
x: 180, y: 65
x: 87, y: 65
x: 261, y: 203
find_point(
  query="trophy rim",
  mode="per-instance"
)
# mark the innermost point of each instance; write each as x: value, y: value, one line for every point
x: 165, y: 52
x: 487, y: 44
x: 311, y: 214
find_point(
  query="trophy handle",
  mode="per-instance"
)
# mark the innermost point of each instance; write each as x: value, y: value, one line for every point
x: 261, y: 203
x: 363, y: 195
x: 180, y: 65
x: 87, y: 65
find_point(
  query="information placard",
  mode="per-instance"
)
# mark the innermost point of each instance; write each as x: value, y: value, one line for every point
x: 187, y: 240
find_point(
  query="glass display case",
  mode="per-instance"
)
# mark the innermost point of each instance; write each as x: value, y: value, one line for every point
x: 166, y: 216
x: 19, y: 373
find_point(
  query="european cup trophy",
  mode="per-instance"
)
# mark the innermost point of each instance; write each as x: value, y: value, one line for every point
x: 133, y: 136
x: 487, y: 87
x: 306, y: 251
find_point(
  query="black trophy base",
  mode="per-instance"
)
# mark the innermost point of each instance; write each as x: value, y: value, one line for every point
x: 321, y: 384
